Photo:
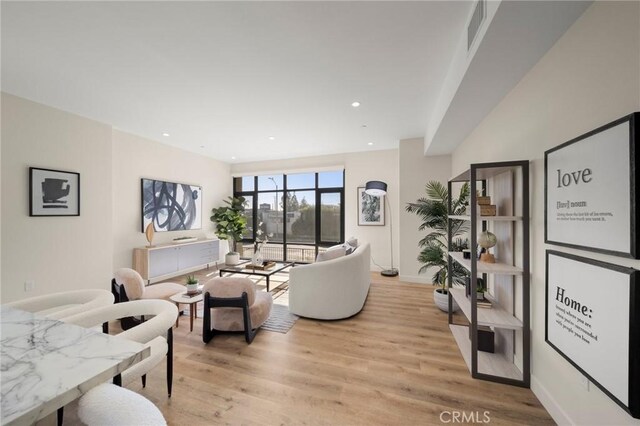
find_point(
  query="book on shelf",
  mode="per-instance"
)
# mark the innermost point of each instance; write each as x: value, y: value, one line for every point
x: 485, y: 304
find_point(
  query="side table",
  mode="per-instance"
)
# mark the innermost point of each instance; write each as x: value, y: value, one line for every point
x: 192, y: 301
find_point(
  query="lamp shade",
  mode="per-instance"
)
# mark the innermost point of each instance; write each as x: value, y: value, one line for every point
x: 375, y: 187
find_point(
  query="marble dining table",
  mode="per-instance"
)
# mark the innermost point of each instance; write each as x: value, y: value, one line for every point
x: 45, y: 363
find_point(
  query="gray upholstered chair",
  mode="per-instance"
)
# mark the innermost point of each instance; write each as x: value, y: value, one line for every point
x: 232, y: 304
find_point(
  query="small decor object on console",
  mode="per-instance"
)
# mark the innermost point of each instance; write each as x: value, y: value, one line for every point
x: 149, y: 233
x: 53, y: 192
x: 192, y: 284
x: 182, y: 240
x: 486, y: 240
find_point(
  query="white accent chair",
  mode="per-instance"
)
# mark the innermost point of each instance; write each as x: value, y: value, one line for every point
x: 156, y: 332
x: 64, y: 304
x: 333, y: 289
x: 108, y: 404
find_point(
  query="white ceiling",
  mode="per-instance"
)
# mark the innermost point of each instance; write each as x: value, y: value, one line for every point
x: 228, y: 75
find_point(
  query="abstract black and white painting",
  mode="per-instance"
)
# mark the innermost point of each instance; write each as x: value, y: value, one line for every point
x: 53, y: 192
x: 370, y: 209
x: 171, y: 206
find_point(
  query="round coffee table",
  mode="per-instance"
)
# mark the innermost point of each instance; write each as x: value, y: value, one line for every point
x: 192, y: 301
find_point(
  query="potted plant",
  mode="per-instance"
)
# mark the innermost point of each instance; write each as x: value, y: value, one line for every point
x: 433, y: 210
x: 481, y: 287
x: 192, y: 284
x: 230, y: 225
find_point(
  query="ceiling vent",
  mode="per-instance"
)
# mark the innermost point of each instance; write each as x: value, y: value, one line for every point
x: 477, y: 18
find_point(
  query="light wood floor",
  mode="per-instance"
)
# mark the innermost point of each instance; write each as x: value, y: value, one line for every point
x: 394, y: 363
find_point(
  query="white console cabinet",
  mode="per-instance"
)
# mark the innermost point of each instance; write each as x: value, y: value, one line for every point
x: 168, y: 260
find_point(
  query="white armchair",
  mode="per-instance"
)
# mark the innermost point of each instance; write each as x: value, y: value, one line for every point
x: 333, y: 289
x: 156, y: 332
x: 64, y: 304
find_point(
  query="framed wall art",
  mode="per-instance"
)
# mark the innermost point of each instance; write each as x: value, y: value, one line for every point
x: 370, y: 209
x: 171, y: 206
x: 591, y: 186
x: 591, y: 316
x: 53, y: 192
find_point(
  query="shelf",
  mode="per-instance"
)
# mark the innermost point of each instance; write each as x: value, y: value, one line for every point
x: 488, y: 218
x: 488, y: 363
x: 494, y: 317
x: 486, y: 268
x: 483, y: 173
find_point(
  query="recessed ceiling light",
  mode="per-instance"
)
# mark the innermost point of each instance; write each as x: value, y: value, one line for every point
x: 271, y: 138
x: 201, y: 146
x: 233, y: 158
x: 166, y: 135
x: 364, y: 125
x: 355, y: 104
x: 370, y: 143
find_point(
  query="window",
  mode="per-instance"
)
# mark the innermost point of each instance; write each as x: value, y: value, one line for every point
x: 300, y: 213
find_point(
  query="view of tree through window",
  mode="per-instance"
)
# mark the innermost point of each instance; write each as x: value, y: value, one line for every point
x: 298, y: 214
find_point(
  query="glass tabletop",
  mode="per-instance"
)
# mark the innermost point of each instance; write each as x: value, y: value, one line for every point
x: 245, y: 268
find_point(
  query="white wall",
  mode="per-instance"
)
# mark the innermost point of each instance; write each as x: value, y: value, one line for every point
x: 590, y: 77
x: 359, y: 168
x: 135, y: 157
x: 68, y: 253
x: 415, y: 171
x: 58, y: 253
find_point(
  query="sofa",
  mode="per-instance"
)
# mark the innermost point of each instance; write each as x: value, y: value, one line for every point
x: 333, y: 289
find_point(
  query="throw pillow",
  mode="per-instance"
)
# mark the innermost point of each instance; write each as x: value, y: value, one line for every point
x: 332, y: 253
x: 349, y: 248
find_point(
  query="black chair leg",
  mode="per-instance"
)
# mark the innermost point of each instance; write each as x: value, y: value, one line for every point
x: 144, y: 380
x: 60, y: 416
x: 169, y: 360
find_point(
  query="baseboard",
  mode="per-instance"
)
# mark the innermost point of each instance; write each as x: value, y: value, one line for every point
x: 550, y: 404
x: 415, y: 279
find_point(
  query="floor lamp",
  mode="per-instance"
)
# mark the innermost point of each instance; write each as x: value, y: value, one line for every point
x: 378, y: 188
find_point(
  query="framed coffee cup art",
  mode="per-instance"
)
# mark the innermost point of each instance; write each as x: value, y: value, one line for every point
x: 53, y: 192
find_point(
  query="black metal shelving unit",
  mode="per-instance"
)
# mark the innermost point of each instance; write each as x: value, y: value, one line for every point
x: 508, y: 278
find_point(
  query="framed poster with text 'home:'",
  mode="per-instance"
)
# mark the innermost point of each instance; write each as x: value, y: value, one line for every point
x: 591, y: 185
x: 591, y: 319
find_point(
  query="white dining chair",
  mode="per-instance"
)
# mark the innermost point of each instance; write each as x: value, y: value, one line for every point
x: 156, y: 332
x: 64, y: 304
x: 107, y: 405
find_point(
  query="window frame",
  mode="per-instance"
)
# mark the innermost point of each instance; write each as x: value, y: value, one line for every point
x: 284, y: 191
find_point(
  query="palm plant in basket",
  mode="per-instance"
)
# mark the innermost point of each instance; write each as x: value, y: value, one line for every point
x: 433, y: 211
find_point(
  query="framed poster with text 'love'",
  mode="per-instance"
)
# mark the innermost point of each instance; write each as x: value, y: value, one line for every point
x: 591, y: 184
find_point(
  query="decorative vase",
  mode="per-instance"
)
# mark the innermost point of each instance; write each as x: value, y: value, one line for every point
x: 192, y: 288
x: 257, y: 257
x: 232, y: 258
